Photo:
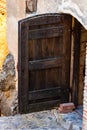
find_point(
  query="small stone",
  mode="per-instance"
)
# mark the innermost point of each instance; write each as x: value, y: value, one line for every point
x: 66, y: 125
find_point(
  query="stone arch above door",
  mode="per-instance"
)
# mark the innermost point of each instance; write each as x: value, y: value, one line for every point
x: 77, y: 8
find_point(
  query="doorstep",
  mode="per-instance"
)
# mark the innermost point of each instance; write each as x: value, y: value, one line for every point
x: 44, y: 120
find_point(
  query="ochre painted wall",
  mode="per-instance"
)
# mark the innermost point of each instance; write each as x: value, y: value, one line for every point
x: 3, y: 42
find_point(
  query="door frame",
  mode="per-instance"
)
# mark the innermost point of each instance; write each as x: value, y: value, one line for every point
x: 76, y: 33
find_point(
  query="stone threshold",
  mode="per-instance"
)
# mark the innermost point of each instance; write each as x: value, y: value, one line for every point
x: 44, y: 120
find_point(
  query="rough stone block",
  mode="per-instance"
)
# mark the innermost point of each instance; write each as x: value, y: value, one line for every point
x: 8, y: 94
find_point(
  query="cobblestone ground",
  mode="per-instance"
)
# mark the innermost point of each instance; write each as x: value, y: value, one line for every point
x: 45, y: 120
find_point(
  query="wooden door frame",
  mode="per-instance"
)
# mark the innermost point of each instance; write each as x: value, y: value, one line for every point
x: 22, y: 68
x: 76, y: 32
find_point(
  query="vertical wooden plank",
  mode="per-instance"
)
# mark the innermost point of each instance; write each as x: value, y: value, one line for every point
x: 76, y: 62
x: 67, y: 51
x: 23, y: 74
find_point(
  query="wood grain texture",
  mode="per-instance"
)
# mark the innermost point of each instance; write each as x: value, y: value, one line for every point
x: 44, y: 61
x: 76, y: 63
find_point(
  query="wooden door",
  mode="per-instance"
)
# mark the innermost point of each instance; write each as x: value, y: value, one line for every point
x: 44, y: 62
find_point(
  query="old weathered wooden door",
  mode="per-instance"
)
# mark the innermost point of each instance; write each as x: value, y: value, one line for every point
x: 44, y: 61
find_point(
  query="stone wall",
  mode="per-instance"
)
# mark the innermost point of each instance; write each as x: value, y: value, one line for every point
x: 77, y: 8
x: 8, y: 94
x: 7, y: 71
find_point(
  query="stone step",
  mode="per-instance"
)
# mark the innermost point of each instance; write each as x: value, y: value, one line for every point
x: 44, y: 120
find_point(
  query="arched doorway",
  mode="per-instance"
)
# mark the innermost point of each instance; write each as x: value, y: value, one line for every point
x: 45, y: 61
